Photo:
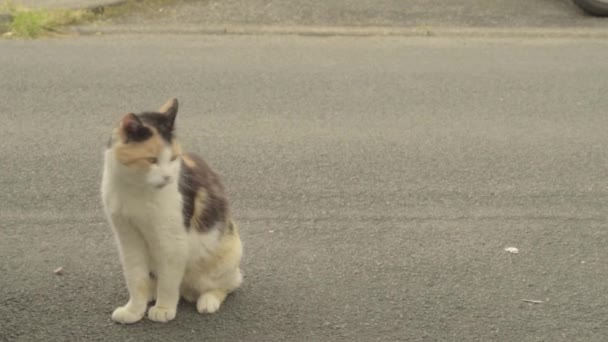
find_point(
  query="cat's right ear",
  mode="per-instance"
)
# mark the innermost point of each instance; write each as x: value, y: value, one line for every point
x: 133, y: 129
x: 169, y: 109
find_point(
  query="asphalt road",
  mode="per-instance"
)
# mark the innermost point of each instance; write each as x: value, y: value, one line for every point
x: 376, y: 181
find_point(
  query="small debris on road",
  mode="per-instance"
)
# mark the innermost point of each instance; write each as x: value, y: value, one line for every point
x: 58, y: 271
x: 512, y: 250
x: 532, y: 301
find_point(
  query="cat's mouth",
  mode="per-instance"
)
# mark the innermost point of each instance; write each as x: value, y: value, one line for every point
x: 161, y: 185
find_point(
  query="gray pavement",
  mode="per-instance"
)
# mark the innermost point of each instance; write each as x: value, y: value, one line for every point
x: 376, y: 181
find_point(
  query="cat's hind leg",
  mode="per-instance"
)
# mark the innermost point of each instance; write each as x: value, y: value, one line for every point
x: 210, y: 300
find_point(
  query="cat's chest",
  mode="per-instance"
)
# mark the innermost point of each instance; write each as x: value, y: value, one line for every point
x: 145, y: 208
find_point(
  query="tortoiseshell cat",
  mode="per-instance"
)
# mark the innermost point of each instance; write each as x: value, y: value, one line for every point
x: 170, y: 217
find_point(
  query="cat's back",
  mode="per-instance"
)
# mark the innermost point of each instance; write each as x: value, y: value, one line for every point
x: 204, y: 201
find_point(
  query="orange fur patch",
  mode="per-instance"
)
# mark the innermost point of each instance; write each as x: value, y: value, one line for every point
x: 227, y: 255
x: 176, y: 149
x: 199, y: 206
x: 188, y: 161
x: 136, y: 154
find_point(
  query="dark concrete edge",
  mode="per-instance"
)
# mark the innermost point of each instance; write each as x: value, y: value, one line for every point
x: 5, y: 21
x: 357, y: 31
x: 103, y: 6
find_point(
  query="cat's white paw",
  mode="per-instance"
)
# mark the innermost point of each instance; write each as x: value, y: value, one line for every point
x: 124, y: 316
x: 163, y: 315
x: 208, y: 303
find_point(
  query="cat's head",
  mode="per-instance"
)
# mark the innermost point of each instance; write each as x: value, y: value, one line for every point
x: 145, y: 147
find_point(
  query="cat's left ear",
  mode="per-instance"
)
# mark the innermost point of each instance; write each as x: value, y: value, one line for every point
x: 170, y: 110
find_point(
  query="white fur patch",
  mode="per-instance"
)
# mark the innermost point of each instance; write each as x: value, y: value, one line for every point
x: 208, y: 303
x: 164, y: 171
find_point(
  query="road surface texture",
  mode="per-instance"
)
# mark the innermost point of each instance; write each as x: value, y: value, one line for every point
x: 376, y: 181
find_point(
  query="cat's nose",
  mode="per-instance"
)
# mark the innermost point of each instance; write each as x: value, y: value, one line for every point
x: 166, y: 179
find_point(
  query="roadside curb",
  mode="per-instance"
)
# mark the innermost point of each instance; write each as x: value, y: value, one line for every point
x: 354, y: 31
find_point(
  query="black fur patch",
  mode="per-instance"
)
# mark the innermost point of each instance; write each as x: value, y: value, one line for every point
x: 162, y: 122
x: 202, y: 178
x: 135, y: 131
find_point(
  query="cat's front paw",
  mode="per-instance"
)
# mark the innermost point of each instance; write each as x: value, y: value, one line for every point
x: 124, y: 316
x: 163, y: 315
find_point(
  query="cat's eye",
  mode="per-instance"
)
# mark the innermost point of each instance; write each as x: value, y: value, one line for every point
x: 152, y: 160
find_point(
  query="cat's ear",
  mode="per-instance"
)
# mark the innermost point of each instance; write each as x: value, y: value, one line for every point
x: 170, y: 110
x: 133, y: 128
x: 130, y: 123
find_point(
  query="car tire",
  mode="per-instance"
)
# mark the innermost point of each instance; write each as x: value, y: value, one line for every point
x: 594, y: 7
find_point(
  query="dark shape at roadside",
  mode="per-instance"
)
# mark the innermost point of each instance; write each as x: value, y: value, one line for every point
x: 594, y: 7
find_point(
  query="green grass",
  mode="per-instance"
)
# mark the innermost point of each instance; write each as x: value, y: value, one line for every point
x: 28, y: 23
x: 33, y: 23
